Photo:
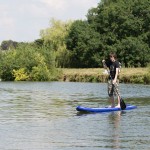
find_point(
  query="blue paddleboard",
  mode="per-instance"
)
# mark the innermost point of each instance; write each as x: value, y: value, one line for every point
x: 105, y: 109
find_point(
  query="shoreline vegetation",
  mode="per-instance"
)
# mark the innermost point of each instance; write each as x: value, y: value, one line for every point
x: 84, y: 44
x: 127, y: 75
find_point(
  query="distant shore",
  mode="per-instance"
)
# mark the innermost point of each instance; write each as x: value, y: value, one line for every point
x: 127, y: 75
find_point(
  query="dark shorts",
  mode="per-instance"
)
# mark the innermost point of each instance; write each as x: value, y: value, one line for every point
x: 113, y: 89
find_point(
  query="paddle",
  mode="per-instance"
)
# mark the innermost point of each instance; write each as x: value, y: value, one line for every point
x: 122, y: 103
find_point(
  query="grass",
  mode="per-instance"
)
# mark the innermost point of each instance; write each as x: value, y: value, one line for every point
x: 127, y: 75
x: 134, y: 71
x: 89, y: 71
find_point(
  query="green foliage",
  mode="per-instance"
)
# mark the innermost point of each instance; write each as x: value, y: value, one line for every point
x: 7, y: 45
x: 54, y: 38
x: 7, y: 65
x: 20, y: 75
x: 133, y: 51
x: 121, y: 26
x: 147, y: 76
x: 83, y: 43
x: 124, y: 28
x: 56, y: 33
x: 27, y: 62
x: 62, y: 58
x: 40, y: 73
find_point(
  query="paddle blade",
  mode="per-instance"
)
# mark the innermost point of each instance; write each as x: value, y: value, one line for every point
x: 122, y: 104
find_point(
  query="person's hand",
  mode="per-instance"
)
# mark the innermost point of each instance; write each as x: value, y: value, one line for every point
x: 114, y: 81
x: 103, y: 61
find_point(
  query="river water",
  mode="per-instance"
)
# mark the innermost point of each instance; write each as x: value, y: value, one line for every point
x: 42, y: 116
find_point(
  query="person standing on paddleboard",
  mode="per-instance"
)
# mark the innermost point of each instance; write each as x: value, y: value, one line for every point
x: 113, y: 81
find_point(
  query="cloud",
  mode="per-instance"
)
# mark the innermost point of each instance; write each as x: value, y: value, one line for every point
x: 22, y: 20
x: 84, y: 3
x: 55, y: 4
x: 79, y: 8
x: 68, y: 9
x: 6, y: 22
x: 63, y: 4
x: 5, y: 19
x: 7, y: 26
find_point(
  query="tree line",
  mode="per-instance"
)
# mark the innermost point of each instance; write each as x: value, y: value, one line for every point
x: 121, y: 26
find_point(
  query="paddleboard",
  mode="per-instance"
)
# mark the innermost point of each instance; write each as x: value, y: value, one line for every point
x: 105, y: 109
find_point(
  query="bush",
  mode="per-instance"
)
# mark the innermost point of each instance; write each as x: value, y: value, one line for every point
x: 20, y: 74
x: 28, y: 63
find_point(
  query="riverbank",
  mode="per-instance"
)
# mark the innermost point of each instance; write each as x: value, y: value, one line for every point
x: 127, y: 75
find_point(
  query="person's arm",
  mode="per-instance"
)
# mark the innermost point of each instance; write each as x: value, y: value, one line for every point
x: 116, y: 76
x: 104, y: 64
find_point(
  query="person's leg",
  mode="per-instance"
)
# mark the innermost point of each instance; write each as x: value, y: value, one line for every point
x: 112, y: 101
x: 118, y: 105
x: 117, y: 93
x: 110, y: 93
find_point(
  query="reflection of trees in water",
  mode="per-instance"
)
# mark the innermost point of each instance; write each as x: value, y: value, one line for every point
x: 139, y: 101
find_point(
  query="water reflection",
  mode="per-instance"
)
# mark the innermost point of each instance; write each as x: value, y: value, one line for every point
x: 114, y: 122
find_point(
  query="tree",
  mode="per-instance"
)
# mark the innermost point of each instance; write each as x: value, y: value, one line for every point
x: 124, y: 27
x: 27, y: 62
x: 83, y: 43
x: 6, y: 45
x: 54, y: 38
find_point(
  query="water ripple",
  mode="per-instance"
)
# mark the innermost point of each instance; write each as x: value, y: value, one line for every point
x: 42, y: 115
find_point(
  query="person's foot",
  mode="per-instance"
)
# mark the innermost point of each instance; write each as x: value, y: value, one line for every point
x: 118, y: 106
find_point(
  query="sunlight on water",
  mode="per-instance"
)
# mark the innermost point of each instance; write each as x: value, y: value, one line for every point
x: 42, y: 115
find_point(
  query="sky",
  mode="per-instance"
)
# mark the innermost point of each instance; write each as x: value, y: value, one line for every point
x: 22, y: 20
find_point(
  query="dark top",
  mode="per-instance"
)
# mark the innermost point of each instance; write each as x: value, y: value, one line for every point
x: 112, y: 67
